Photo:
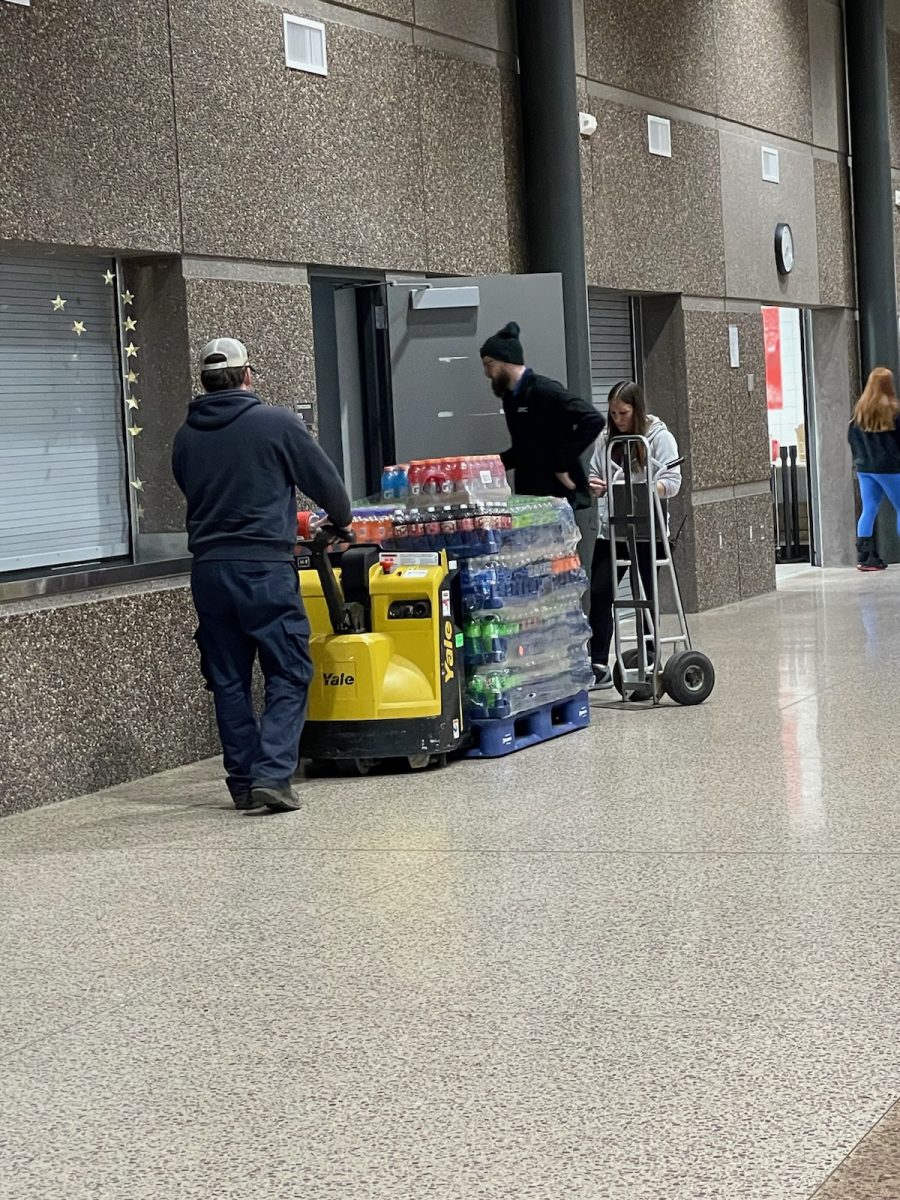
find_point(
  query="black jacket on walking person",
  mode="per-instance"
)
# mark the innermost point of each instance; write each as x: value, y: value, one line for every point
x: 550, y: 429
x: 239, y: 463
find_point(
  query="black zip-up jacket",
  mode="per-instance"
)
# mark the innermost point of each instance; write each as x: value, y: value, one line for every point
x: 875, y: 453
x: 550, y: 431
x: 239, y: 463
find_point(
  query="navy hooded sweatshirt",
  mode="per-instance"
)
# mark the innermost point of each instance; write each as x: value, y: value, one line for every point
x: 239, y: 463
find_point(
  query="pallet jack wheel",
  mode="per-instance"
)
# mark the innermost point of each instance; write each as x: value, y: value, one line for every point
x: 643, y: 692
x: 689, y: 677
x: 354, y: 768
x: 419, y: 762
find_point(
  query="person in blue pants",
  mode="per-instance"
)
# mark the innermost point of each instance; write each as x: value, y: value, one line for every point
x: 239, y: 464
x: 874, y: 437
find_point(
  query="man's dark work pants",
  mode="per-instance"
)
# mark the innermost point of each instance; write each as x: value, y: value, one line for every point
x: 247, y: 609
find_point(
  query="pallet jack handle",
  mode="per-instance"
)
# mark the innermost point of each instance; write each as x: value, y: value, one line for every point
x: 344, y: 617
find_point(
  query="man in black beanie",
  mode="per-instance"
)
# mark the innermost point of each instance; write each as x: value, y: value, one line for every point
x: 550, y: 429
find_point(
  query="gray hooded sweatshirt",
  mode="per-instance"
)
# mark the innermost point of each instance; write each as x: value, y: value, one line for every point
x: 663, y: 450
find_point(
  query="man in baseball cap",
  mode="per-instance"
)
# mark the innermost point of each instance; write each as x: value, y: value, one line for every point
x: 239, y: 463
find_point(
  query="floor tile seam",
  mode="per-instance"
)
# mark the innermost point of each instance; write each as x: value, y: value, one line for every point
x: 830, y: 687
x: 552, y: 852
x: 846, y: 1159
x: 328, y: 913
x: 61, y: 1031
x: 556, y: 852
x: 733, y: 1020
x: 193, y: 847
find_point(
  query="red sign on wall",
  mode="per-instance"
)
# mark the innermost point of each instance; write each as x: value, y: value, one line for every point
x: 772, y: 331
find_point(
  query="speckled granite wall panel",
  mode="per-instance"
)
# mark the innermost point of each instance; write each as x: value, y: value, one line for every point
x: 398, y: 10
x: 709, y: 396
x: 749, y: 411
x: 828, y: 84
x: 716, y: 555
x: 87, y: 155
x: 753, y: 208
x: 893, y: 63
x: 95, y: 694
x: 511, y: 116
x: 755, y: 544
x: 664, y: 50
x: 762, y: 62
x: 469, y: 20
x: 273, y: 320
x: 834, y: 367
x: 163, y: 388
x: 658, y: 221
x: 666, y: 389
x: 307, y: 169
x: 834, y: 235
x: 466, y: 199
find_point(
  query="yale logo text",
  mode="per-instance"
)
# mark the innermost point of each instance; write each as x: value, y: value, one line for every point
x: 341, y: 680
x: 449, y: 655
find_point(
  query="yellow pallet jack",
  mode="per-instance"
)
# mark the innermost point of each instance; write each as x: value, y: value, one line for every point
x: 386, y: 650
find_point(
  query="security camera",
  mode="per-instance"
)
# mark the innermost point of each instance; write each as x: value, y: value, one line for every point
x: 587, y: 124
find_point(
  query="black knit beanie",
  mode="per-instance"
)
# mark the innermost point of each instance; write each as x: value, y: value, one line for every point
x: 505, y: 346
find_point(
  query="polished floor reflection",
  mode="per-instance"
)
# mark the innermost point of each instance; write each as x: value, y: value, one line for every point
x: 654, y: 961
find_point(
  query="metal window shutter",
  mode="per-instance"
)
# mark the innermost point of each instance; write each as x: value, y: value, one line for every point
x: 62, y: 458
x: 612, y: 354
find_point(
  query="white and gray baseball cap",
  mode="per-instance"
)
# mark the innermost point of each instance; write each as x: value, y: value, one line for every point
x: 223, y: 352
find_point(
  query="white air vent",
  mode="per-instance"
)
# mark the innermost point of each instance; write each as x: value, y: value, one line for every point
x: 660, y: 135
x: 27, y: 3
x: 771, y: 168
x: 304, y: 45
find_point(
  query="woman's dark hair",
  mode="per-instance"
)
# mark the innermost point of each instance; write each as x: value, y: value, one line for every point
x: 632, y: 394
x: 223, y: 380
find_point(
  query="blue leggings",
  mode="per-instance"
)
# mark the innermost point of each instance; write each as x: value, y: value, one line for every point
x: 873, y: 489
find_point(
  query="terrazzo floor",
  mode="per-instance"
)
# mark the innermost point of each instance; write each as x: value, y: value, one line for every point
x: 656, y: 960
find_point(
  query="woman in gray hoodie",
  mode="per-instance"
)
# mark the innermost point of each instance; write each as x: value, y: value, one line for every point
x: 627, y: 414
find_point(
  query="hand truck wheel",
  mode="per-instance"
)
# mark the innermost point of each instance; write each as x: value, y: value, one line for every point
x: 689, y: 677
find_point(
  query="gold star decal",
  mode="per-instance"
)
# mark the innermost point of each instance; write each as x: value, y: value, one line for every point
x: 134, y: 430
x: 132, y: 376
x: 131, y: 403
x: 131, y: 350
x: 137, y: 484
x: 140, y: 511
x: 109, y: 279
x: 130, y: 324
x: 79, y: 328
x: 127, y: 298
x: 59, y: 304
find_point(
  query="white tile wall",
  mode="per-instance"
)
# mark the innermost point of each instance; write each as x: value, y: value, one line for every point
x: 783, y: 423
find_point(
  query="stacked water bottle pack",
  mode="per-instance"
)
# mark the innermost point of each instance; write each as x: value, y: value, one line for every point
x: 525, y: 633
x: 522, y: 581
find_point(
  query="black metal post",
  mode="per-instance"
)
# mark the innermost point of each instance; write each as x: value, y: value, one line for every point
x: 870, y: 132
x: 555, y: 217
x: 870, y: 135
x: 795, y: 506
x: 786, y: 504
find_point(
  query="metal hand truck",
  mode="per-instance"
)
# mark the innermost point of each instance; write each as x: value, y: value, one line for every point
x: 638, y: 517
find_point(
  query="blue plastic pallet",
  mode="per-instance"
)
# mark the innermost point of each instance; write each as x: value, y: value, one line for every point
x: 497, y: 738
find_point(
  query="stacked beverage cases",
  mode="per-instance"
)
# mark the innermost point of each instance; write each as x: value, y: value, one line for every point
x: 525, y: 632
